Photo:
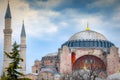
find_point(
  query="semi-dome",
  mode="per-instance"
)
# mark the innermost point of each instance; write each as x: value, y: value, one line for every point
x: 88, y: 39
x: 87, y: 35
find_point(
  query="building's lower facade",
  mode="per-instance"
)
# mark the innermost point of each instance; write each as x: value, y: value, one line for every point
x: 84, y: 50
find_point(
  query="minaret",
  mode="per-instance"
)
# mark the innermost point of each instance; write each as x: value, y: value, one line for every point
x: 23, y: 49
x: 7, y: 37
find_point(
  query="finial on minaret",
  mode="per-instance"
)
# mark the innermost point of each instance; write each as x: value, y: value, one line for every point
x: 87, y: 28
x: 8, y: 12
x: 23, y: 33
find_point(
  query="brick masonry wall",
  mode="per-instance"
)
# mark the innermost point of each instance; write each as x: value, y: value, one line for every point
x: 65, y: 56
x: 113, y: 61
x: 65, y: 60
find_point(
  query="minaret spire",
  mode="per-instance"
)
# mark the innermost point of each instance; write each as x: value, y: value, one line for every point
x: 23, y: 49
x: 87, y: 28
x: 8, y: 12
x: 7, y: 38
x: 23, y: 33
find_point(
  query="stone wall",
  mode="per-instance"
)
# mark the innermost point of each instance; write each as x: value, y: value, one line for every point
x: 36, y: 67
x: 113, y: 61
x: 65, y: 56
x: 65, y: 60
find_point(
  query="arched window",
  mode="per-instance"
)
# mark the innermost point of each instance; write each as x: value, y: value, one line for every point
x: 105, y: 44
x: 72, y: 44
x: 36, y: 71
x: 91, y: 43
x: 77, y: 43
x: 97, y: 42
x: 83, y: 43
x: 68, y: 43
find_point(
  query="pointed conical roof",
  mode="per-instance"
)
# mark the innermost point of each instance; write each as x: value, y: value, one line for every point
x: 8, y: 12
x: 23, y: 33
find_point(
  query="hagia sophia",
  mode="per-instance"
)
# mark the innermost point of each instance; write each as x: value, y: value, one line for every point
x: 80, y: 51
x: 83, y: 49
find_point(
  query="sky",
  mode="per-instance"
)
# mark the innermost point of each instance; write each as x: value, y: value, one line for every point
x: 50, y: 23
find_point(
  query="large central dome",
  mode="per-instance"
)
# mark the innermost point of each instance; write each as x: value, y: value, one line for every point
x: 88, y: 39
x: 87, y: 35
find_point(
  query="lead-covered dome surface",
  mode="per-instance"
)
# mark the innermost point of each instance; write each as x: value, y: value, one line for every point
x: 88, y: 39
x: 88, y: 35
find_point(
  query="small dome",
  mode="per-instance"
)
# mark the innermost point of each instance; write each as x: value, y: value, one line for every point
x: 87, y: 35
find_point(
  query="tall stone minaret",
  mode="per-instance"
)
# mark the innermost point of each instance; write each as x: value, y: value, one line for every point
x: 7, y: 37
x: 23, y: 49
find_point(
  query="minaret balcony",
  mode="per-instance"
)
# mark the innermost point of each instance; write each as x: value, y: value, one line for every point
x: 7, y: 31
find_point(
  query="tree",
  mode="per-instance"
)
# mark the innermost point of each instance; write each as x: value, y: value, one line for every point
x: 92, y: 73
x: 3, y: 77
x: 13, y: 68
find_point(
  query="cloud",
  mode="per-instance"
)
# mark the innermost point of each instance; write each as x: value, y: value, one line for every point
x: 116, y: 15
x: 102, y: 3
x: 17, y: 14
x: 38, y: 4
x: 37, y: 23
x: 76, y: 21
x: 64, y: 24
x: 42, y: 21
x: 79, y: 19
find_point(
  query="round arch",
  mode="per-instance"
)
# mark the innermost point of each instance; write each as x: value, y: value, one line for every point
x: 87, y: 62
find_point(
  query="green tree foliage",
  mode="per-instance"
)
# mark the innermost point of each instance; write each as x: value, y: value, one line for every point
x: 13, y: 69
x: 3, y: 77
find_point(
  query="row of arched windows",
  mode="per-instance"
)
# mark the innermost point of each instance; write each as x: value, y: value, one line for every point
x: 88, y: 43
